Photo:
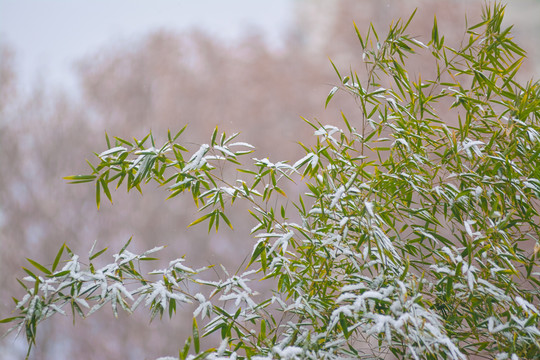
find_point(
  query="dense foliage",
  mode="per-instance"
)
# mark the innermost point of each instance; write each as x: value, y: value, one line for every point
x: 416, y: 235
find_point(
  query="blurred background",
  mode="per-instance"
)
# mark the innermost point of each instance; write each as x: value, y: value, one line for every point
x: 71, y: 70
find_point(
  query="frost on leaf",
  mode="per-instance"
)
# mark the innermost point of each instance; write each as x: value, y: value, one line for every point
x: 197, y: 160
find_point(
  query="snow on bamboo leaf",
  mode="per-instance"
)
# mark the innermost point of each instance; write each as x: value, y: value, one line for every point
x: 197, y: 160
x: 242, y: 144
x: 311, y: 159
x: 159, y: 293
x: 282, y: 240
x: 337, y: 196
x: 468, y: 144
x: 112, y: 151
x: 204, y: 308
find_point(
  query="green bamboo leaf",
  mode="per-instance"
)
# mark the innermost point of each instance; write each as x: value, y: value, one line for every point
x: 280, y: 191
x: 435, y: 33
x: 359, y: 35
x: 214, y: 136
x: 336, y: 70
x: 108, y: 141
x: 179, y: 133
x: 36, y: 286
x: 409, y: 20
x: 58, y: 257
x: 98, y: 194
x: 256, y: 253
x: 39, y: 266
x: 79, y: 179
x: 122, y: 141
x: 140, y: 144
x: 196, y: 343
x: 105, y: 188
x: 7, y: 320
x: 172, y: 307
x: 60, y: 273
x: 331, y: 95
x: 201, y: 219
x: 125, y: 246
x: 214, y: 218
x: 224, y: 217
x: 184, y: 352
x: 97, y: 254
x: 344, y: 326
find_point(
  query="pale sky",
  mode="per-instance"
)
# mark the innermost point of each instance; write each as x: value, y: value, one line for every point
x: 48, y: 35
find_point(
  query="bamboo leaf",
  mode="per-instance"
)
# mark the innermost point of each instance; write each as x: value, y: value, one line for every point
x: 196, y: 344
x: 201, y: 219
x: 331, y: 95
x: 58, y: 257
x: 39, y: 266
